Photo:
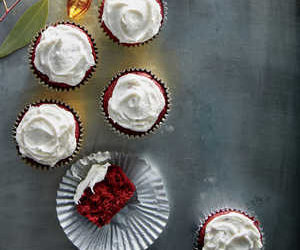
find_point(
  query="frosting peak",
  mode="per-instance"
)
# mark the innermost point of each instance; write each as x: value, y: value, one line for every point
x: 64, y: 54
x: 96, y: 174
x: 46, y: 134
x: 232, y: 231
x: 136, y: 102
x: 132, y: 21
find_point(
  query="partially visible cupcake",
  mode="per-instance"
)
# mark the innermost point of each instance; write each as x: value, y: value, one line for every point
x: 103, y: 193
x: 135, y: 102
x: 48, y: 134
x: 230, y: 229
x: 132, y: 22
x: 63, y: 56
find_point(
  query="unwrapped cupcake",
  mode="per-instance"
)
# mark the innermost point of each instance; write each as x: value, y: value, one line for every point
x: 110, y: 200
x: 103, y: 193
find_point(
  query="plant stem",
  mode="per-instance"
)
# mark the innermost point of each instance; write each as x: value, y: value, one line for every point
x: 5, y: 5
x: 8, y: 9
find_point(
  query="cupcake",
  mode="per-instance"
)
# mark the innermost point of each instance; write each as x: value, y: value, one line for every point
x: 135, y: 102
x: 103, y: 193
x: 111, y: 200
x: 63, y: 56
x: 131, y: 22
x: 48, y: 134
x: 230, y: 229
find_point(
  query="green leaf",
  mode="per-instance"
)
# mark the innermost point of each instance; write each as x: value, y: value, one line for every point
x: 26, y: 27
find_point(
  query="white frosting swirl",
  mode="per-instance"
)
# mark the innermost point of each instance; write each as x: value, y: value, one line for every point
x: 132, y: 21
x: 232, y: 231
x: 64, y: 54
x: 136, y: 102
x: 96, y: 174
x: 46, y: 134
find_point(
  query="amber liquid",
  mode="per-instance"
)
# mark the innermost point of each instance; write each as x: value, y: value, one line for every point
x: 77, y: 8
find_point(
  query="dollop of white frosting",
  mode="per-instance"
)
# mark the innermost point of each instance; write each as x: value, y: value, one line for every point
x: 232, y: 231
x: 64, y: 54
x: 132, y: 21
x: 136, y: 102
x: 46, y: 134
x: 96, y: 174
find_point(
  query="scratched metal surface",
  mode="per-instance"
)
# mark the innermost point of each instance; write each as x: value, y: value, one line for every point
x: 232, y: 137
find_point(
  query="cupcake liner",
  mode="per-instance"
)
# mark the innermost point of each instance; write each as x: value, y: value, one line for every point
x: 156, y: 125
x: 197, y: 246
x: 42, y: 78
x: 116, y: 40
x: 63, y: 162
x: 136, y: 226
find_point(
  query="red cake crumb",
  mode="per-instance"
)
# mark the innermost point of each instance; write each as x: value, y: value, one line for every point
x: 109, y: 197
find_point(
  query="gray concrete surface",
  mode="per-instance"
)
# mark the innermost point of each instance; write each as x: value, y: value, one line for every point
x: 232, y: 137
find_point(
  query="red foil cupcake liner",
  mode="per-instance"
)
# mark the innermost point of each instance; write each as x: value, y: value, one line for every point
x: 43, y: 79
x: 200, y: 233
x: 136, y: 226
x: 63, y: 162
x: 164, y: 8
x: 129, y: 133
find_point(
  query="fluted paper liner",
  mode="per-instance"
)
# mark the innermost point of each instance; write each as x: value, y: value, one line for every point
x: 138, y: 44
x: 136, y: 226
x: 156, y: 125
x: 37, y: 73
x: 196, y: 245
x: 63, y: 162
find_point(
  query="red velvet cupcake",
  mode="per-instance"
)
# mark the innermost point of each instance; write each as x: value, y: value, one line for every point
x: 48, y: 134
x: 135, y: 102
x: 103, y: 193
x: 63, y: 56
x: 230, y: 229
x: 101, y: 206
x: 132, y: 22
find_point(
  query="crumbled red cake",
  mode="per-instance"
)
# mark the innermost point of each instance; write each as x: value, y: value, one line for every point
x: 109, y: 197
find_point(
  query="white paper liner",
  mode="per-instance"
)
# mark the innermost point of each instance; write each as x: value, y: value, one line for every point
x: 135, y: 227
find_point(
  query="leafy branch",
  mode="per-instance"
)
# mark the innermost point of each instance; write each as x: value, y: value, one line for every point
x: 8, y: 9
x: 32, y: 21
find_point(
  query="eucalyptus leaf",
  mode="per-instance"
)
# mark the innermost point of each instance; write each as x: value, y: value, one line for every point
x: 26, y: 27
